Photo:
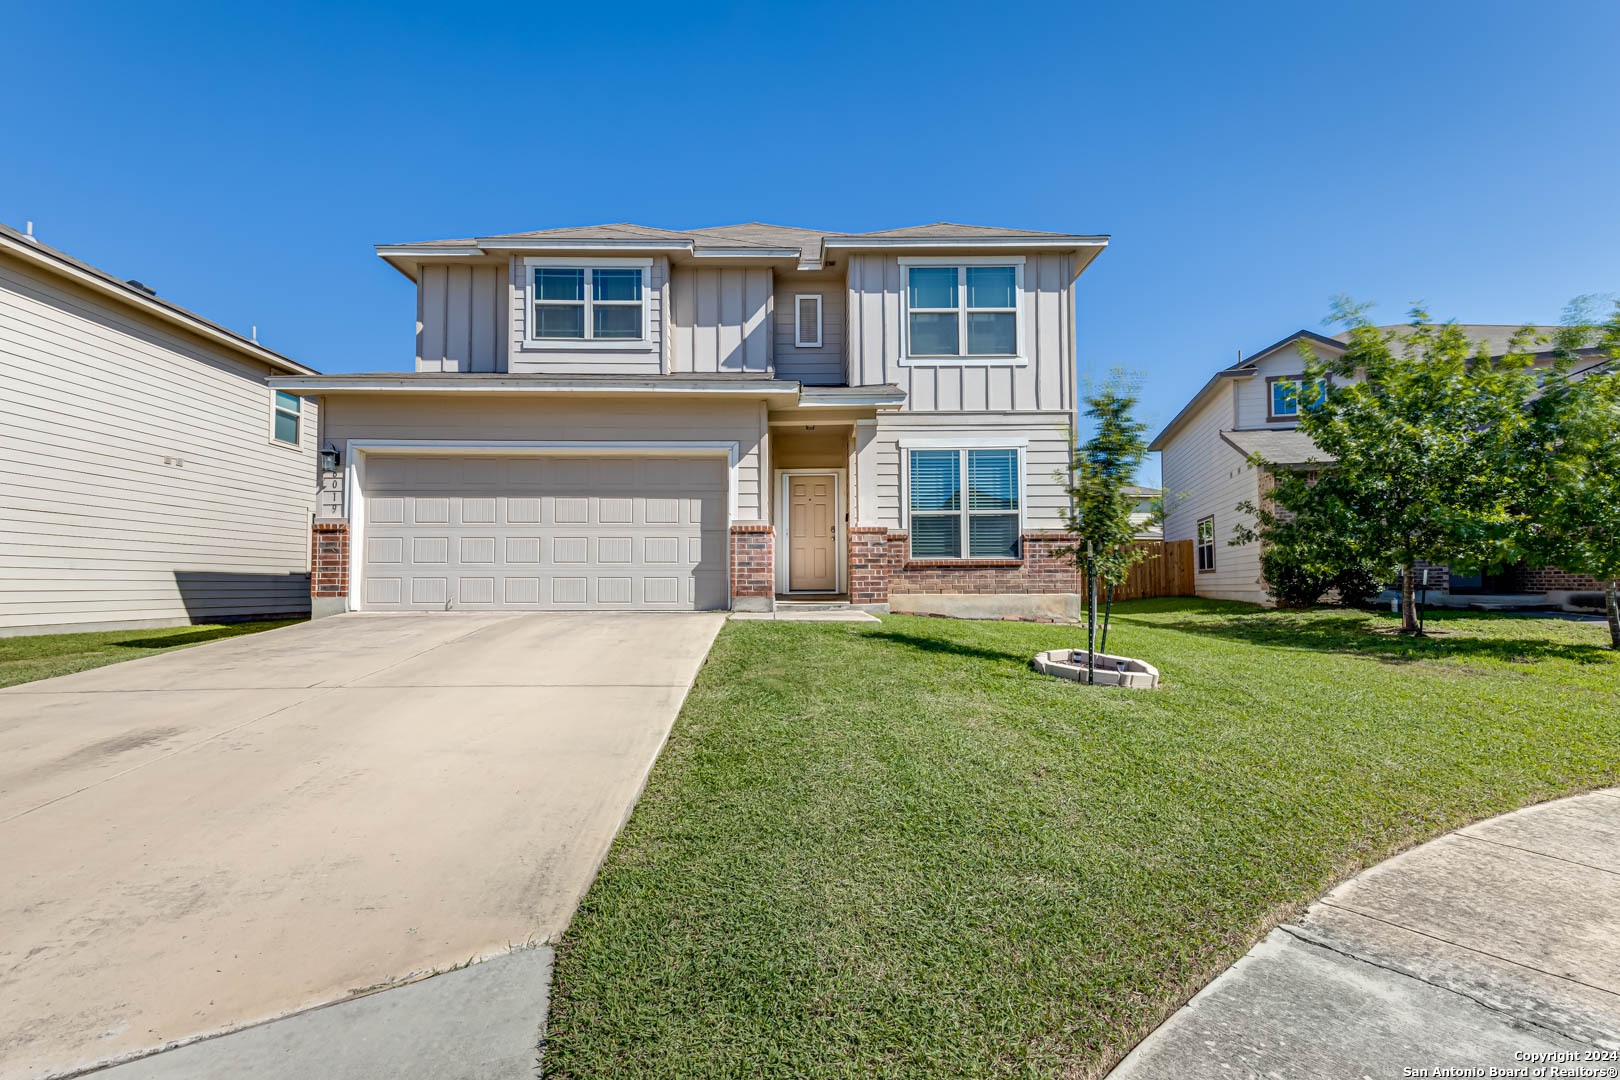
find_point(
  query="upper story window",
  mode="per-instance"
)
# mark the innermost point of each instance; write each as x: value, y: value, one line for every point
x: 807, y: 321
x: 963, y: 311
x: 1289, y: 392
x: 285, y: 411
x: 950, y: 520
x: 601, y: 304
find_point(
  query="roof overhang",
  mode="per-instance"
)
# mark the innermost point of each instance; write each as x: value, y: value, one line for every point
x: 64, y: 266
x: 408, y: 258
x: 1086, y: 248
x: 1243, y: 369
x: 375, y: 383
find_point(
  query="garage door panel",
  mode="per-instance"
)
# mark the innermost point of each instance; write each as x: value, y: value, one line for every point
x: 545, y: 533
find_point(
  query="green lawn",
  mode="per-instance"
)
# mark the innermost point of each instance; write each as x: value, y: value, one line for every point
x: 24, y: 659
x: 895, y: 851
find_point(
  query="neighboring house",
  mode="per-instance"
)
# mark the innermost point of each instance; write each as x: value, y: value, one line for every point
x: 1252, y: 408
x: 1142, y: 512
x: 622, y: 417
x: 150, y: 476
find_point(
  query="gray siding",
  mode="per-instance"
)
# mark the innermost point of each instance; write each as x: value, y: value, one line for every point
x: 720, y: 319
x: 461, y: 318
x: 642, y: 360
x: 1045, y: 459
x: 562, y: 418
x: 140, y: 483
x: 1045, y: 383
x: 813, y: 367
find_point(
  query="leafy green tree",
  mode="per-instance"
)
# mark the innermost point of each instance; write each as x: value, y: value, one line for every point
x: 1570, y: 491
x: 1422, y: 428
x: 1099, y: 511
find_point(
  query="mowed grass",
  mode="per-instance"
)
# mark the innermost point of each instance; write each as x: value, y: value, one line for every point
x: 44, y: 656
x: 895, y: 851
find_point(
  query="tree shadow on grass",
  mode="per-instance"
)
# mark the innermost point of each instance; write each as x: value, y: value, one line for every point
x: 1362, y: 634
x: 197, y: 637
x: 942, y: 646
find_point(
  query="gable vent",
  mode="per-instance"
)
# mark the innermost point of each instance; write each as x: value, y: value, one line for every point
x: 807, y: 321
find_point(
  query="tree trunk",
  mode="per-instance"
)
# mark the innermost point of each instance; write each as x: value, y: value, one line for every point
x: 1612, y: 594
x: 1409, y: 621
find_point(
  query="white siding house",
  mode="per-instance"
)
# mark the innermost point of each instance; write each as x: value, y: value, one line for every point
x: 149, y: 477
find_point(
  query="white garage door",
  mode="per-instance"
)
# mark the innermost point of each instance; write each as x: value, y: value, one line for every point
x: 482, y: 533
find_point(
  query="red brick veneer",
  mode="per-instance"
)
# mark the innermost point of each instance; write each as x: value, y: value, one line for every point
x: 880, y: 567
x: 329, y: 559
x: 753, y: 560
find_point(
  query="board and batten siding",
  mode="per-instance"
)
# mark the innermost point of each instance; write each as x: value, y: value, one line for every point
x: 720, y: 319
x: 141, y: 485
x: 822, y: 366
x: 1044, y: 440
x: 461, y: 313
x: 646, y: 358
x: 1205, y: 476
x: 1044, y: 383
x: 560, y: 418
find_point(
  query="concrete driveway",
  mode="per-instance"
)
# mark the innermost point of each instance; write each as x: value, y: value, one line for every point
x: 208, y: 838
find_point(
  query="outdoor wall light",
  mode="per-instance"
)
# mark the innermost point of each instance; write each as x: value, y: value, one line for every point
x: 331, y: 458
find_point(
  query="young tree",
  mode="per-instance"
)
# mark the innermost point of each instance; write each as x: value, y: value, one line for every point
x: 1099, y: 512
x: 1570, y: 498
x: 1421, y: 428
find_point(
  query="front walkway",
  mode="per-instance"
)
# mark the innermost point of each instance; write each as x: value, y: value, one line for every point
x: 1486, y: 947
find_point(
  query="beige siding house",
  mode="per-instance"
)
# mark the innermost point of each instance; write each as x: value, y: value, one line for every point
x: 1251, y: 409
x: 624, y: 417
x: 150, y: 475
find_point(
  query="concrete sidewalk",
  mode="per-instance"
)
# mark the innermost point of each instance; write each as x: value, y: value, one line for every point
x: 1485, y: 948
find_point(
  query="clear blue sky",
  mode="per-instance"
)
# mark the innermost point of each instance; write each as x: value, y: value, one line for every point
x: 1249, y: 160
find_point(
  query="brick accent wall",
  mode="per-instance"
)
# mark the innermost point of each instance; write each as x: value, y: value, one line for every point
x: 872, y: 561
x: 753, y: 560
x: 1549, y: 579
x: 880, y: 567
x: 329, y: 559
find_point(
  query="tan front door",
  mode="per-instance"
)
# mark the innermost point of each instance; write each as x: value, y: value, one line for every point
x: 813, y: 533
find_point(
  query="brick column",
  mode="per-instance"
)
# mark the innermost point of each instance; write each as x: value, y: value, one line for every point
x: 753, y: 568
x: 329, y: 568
x: 873, y: 557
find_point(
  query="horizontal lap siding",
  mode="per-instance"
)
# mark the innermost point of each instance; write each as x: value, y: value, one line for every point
x: 1204, y: 476
x: 95, y: 527
x: 1045, y: 457
x: 534, y: 418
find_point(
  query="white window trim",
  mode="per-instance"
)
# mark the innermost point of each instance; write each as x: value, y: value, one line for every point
x: 275, y: 408
x: 798, y: 325
x: 961, y: 446
x: 644, y: 343
x: 784, y: 522
x: 1198, y: 544
x: 962, y: 262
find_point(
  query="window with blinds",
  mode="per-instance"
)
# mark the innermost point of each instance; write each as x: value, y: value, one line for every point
x: 807, y: 321
x: 948, y: 523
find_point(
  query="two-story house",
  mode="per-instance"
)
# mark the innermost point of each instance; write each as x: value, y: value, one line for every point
x: 622, y: 417
x: 1252, y: 408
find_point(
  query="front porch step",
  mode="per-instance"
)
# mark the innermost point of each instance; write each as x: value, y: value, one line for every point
x: 813, y: 605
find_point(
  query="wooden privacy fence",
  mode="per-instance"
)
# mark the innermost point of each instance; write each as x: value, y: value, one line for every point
x: 1166, y: 571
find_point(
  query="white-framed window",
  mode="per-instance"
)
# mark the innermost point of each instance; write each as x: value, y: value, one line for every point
x: 600, y: 304
x: 286, y: 412
x: 1206, y: 543
x: 1289, y: 393
x: 964, y: 504
x: 963, y: 310
x: 807, y: 321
